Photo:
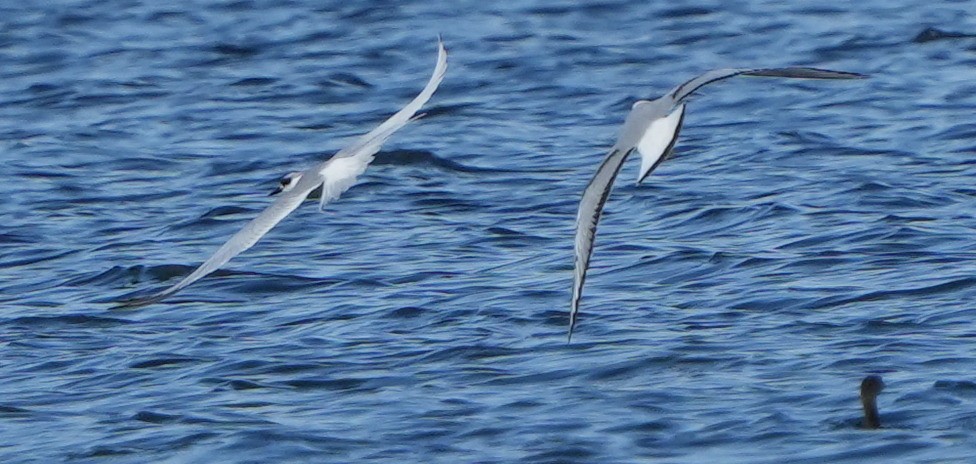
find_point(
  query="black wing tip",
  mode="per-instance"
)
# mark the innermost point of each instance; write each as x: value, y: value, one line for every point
x: 131, y: 303
x: 840, y: 74
x: 140, y: 301
x: 640, y: 180
x: 804, y: 72
x: 854, y: 75
x: 574, y: 311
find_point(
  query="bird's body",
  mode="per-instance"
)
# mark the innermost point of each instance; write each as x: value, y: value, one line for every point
x: 871, y: 387
x: 329, y: 179
x: 651, y: 128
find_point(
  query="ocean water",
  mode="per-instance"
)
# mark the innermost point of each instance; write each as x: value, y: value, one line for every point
x: 804, y: 235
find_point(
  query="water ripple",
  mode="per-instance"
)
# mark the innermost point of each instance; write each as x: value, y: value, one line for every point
x: 803, y: 235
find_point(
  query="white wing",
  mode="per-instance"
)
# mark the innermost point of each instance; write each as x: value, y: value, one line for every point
x: 368, y: 144
x: 335, y: 176
x: 246, y: 238
x: 340, y: 172
x: 656, y: 143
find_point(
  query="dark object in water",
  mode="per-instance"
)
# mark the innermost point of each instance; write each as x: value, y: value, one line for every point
x: 931, y: 33
x: 871, y: 386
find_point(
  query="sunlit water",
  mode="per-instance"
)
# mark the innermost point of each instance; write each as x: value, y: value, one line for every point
x: 805, y: 234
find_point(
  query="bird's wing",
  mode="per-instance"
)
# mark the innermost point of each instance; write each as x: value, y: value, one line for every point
x: 367, y: 145
x: 340, y: 172
x: 632, y: 135
x: 590, y: 208
x: 656, y: 143
x: 242, y: 240
x: 660, y: 136
x: 681, y: 92
x: 803, y: 73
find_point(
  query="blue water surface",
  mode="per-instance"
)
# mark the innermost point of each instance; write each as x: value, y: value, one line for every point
x: 805, y: 234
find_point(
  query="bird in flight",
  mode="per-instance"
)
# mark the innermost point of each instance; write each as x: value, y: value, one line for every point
x: 331, y: 177
x: 652, y: 128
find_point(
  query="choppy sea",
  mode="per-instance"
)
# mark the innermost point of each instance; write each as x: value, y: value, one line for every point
x: 805, y: 234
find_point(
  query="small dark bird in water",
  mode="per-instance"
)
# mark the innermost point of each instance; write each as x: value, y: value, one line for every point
x: 871, y: 386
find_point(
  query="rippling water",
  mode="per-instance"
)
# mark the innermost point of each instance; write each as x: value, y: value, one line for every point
x: 805, y: 234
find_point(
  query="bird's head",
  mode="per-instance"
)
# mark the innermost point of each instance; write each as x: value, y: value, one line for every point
x: 287, y: 182
x: 871, y: 386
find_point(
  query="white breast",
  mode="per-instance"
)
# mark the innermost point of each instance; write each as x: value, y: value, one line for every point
x: 339, y: 174
x: 658, y: 137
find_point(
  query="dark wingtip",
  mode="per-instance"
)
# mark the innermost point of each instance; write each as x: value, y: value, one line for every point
x: 854, y: 75
x: 641, y: 178
x: 131, y: 303
x: 805, y: 73
x: 140, y: 301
